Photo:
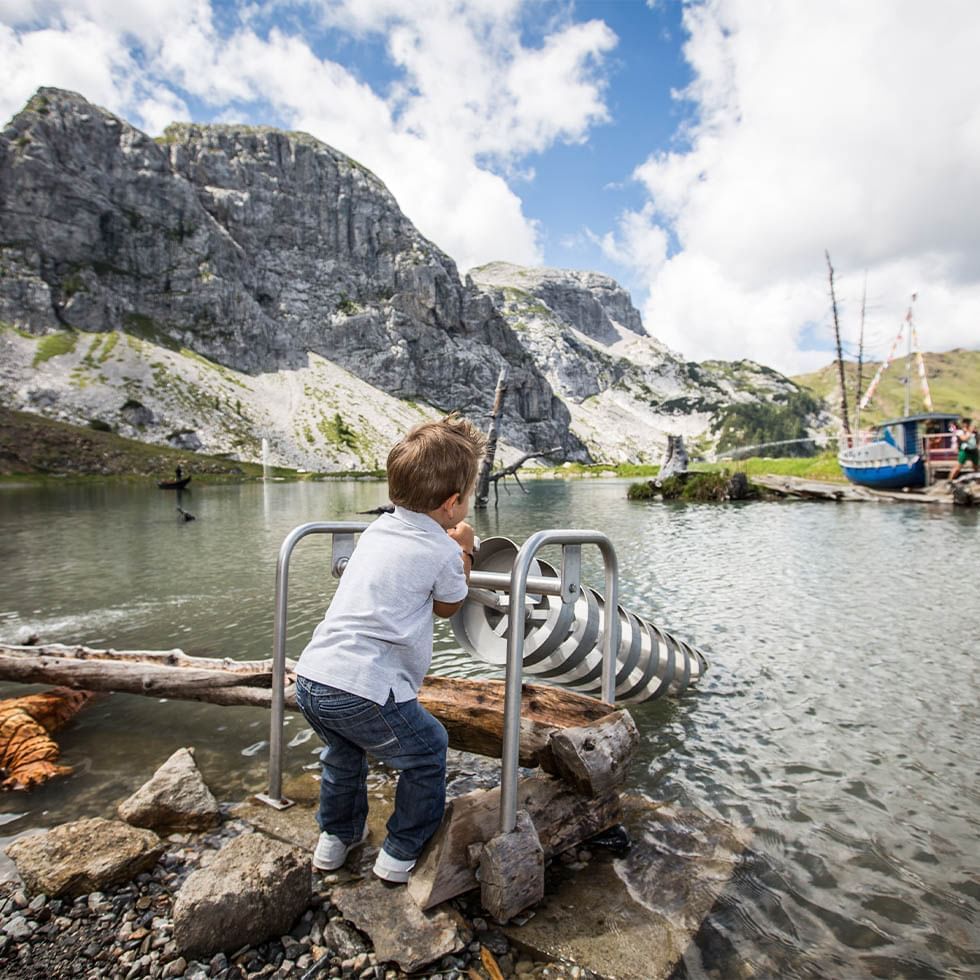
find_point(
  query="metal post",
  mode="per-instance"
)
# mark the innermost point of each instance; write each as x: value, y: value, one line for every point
x: 347, y: 529
x: 515, y: 651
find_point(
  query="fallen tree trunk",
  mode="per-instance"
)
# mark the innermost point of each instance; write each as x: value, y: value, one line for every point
x: 471, y: 710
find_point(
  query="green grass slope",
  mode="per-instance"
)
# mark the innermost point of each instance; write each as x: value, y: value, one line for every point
x: 34, y: 445
x: 953, y: 376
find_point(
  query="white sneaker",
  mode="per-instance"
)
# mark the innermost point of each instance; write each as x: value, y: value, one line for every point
x: 388, y: 868
x: 331, y: 852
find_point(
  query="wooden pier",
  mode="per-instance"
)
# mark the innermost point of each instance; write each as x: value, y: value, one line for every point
x: 965, y: 492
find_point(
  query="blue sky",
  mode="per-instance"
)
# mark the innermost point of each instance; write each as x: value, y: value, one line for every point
x: 703, y: 153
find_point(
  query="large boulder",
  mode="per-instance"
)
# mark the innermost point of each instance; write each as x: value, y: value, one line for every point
x: 175, y: 798
x: 256, y: 887
x: 84, y: 856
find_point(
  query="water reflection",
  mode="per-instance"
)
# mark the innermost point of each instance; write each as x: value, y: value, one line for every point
x: 838, y: 724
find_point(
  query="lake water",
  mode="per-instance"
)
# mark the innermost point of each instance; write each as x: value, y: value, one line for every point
x: 838, y: 724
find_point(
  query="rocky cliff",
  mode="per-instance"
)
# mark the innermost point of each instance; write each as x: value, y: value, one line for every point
x: 227, y: 287
x: 263, y: 253
x: 625, y: 390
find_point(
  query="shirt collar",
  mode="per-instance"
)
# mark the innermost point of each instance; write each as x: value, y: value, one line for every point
x: 417, y: 519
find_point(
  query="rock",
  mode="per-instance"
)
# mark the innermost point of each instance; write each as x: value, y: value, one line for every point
x: 18, y: 928
x: 398, y: 928
x: 346, y: 940
x: 175, y: 796
x: 84, y: 856
x: 255, y: 888
x: 624, y: 389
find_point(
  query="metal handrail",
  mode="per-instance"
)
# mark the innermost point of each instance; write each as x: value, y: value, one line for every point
x: 278, y: 708
x: 515, y: 650
x: 519, y: 583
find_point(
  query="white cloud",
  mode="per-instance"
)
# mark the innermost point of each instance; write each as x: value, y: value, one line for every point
x: 853, y: 127
x: 470, y: 100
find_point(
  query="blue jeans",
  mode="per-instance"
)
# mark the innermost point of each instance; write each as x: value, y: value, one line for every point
x: 403, y: 736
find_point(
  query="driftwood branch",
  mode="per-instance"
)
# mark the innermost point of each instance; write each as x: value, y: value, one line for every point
x: 514, y: 467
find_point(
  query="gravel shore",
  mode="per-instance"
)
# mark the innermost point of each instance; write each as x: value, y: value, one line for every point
x: 126, y: 933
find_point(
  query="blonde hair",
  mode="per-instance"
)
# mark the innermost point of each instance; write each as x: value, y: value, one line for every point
x: 434, y: 461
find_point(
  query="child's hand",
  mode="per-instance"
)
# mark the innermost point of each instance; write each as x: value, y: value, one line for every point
x: 462, y: 533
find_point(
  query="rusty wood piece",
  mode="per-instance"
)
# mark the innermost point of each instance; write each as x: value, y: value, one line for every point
x: 490, y: 964
x: 512, y: 870
x: 561, y: 816
x: 596, y: 758
x: 27, y: 750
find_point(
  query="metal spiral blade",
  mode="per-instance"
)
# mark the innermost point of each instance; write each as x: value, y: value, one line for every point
x: 562, y: 640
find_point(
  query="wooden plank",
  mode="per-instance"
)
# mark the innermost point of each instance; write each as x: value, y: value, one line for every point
x: 512, y: 870
x: 473, y: 713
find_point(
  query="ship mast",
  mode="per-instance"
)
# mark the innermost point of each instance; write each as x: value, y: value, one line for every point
x: 908, y: 358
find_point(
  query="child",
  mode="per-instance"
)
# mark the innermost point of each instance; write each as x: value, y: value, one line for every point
x: 358, y: 678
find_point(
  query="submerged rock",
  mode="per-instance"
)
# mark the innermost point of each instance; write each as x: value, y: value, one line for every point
x: 175, y: 798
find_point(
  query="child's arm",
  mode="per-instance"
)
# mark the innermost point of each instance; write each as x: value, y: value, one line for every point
x: 462, y: 533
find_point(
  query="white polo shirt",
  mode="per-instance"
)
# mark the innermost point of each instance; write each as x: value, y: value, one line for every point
x: 376, y: 636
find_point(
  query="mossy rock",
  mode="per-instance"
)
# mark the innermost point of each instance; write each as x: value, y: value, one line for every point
x: 696, y: 488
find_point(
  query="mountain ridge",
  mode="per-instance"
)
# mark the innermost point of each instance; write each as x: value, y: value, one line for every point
x: 224, y: 285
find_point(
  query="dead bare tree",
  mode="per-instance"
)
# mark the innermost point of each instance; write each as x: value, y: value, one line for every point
x: 482, y: 494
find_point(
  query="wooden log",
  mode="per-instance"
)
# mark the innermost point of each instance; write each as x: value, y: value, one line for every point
x: 473, y: 713
x: 471, y: 710
x: 512, y: 870
x: 595, y: 758
x: 561, y: 817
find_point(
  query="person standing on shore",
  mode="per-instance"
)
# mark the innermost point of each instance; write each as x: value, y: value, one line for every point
x: 358, y: 679
x: 966, y: 438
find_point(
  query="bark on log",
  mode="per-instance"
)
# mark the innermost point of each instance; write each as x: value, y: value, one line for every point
x: 595, y: 758
x: 471, y: 710
x: 473, y: 713
x: 561, y: 816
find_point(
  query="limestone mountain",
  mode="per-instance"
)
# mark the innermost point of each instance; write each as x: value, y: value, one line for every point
x: 625, y: 390
x: 223, y: 286
x: 262, y: 284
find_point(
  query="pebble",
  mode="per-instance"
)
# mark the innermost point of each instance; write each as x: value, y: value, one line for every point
x: 175, y: 968
x: 18, y: 928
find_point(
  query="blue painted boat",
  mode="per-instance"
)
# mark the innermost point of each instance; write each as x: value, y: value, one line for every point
x: 899, y: 453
